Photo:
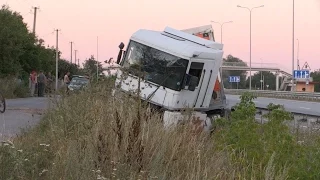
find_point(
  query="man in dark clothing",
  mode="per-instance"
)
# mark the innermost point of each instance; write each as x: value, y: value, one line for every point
x: 49, y: 83
x: 41, y: 84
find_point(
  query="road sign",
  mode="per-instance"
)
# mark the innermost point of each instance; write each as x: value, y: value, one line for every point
x: 234, y: 79
x: 301, y: 74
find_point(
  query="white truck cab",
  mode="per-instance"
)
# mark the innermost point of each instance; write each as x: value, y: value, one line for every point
x: 180, y: 71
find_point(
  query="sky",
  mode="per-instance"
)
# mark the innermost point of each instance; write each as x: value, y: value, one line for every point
x: 114, y: 21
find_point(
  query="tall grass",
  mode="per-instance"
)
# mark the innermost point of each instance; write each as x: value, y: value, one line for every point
x: 90, y: 135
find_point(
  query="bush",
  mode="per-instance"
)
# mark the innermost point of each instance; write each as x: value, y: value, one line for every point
x: 91, y: 135
x: 266, y: 151
x: 10, y: 87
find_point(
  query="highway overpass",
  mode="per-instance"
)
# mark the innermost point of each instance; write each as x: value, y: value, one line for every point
x: 233, y: 66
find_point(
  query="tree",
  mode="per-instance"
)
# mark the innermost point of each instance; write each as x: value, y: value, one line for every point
x: 234, y: 61
x: 316, y: 78
x: 15, y: 42
x: 90, y: 66
x: 65, y: 66
x: 269, y: 79
x: 47, y: 59
x: 22, y: 52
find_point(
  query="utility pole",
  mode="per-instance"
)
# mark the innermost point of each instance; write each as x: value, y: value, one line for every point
x: 71, y: 52
x: 97, y: 59
x: 79, y: 63
x: 34, y: 19
x: 75, y: 56
x: 57, y: 58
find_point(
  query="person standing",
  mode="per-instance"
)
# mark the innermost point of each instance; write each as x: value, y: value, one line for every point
x: 41, y: 84
x: 33, y: 82
x: 66, y: 80
x: 49, y: 83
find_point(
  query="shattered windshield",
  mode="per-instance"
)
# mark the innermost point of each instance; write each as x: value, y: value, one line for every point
x: 159, y: 67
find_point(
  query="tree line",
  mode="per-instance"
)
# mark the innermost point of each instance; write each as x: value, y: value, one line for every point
x: 22, y: 52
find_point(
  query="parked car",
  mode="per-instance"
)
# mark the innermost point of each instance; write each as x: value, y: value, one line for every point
x: 79, y: 76
x: 78, y: 82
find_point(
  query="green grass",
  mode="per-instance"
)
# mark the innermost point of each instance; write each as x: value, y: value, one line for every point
x: 90, y: 135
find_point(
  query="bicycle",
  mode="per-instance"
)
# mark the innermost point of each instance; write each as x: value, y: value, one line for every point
x: 2, y: 103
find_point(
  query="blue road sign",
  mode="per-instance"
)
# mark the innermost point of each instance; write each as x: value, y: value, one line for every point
x: 234, y: 79
x: 301, y: 74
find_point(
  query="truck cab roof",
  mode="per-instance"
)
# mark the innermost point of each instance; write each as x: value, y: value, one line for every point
x: 178, y: 43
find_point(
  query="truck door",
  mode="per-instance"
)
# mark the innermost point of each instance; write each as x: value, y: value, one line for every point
x: 202, y: 70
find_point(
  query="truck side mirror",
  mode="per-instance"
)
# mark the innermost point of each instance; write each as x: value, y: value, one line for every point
x: 193, y: 82
x: 121, y: 46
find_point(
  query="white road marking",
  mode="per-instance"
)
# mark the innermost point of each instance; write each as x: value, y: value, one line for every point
x: 304, y: 108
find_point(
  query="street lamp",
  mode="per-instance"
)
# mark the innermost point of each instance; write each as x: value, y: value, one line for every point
x: 261, y: 80
x: 221, y: 24
x: 292, y: 40
x: 250, y: 10
x: 298, y: 66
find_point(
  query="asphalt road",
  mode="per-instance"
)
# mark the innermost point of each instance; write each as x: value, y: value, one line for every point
x: 21, y: 113
x: 304, y: 107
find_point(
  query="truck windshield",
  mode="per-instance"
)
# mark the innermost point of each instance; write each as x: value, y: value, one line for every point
x: 158, y: 67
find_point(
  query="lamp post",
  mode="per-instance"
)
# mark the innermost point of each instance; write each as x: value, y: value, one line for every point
x: 298, y: 66
x: 292, y: 39
x: 261, y: 80
x: 221, y: 25
x: 250, y: 10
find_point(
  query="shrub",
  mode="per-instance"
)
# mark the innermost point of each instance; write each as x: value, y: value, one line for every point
x: 10, y: 87
x: 266, y: 151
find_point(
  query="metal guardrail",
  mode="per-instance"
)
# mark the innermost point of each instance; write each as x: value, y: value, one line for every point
x: 306, y: 96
